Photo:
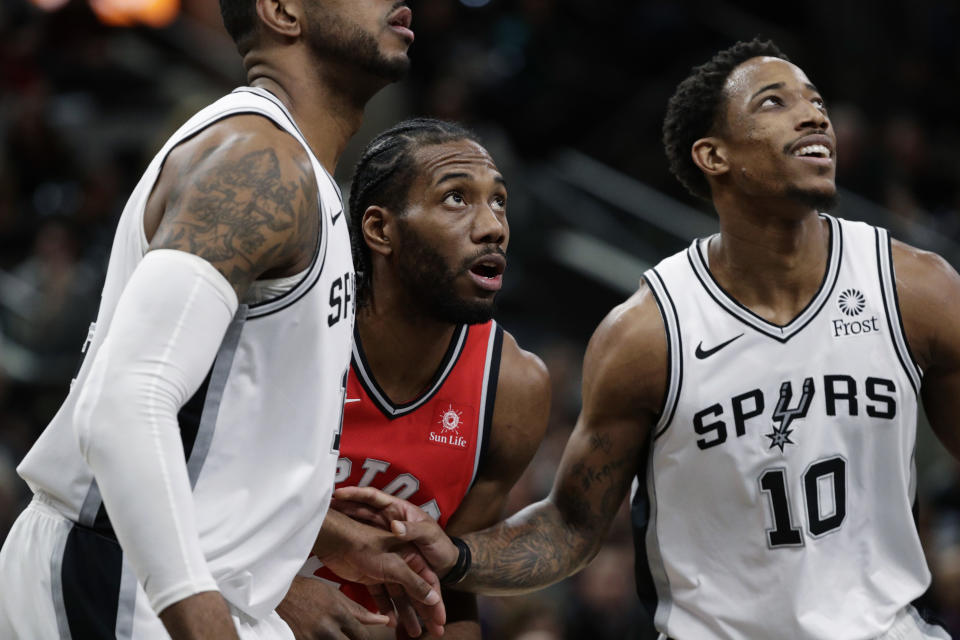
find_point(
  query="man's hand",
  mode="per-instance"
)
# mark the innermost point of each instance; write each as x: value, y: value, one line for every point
x: 392, y: 570
x: 316, y: 611
x: 407, y: 521
x: 202, y: 615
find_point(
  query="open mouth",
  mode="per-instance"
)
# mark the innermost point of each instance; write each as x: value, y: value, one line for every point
x: 400, y: 22
x: 401, y: 18
x: 816, y: 147
x: 813, y: 151
x: 487, y: 272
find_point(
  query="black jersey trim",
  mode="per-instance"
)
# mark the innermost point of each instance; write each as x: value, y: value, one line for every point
x: 488, y: 397
x: 781, y: 333
x: 382, y: 401
x: 674, y: 352
x: 298, y: 291
x: 918, y: 372
x: 640, y: 521
x: 90, y: 582
x: 890, y: 297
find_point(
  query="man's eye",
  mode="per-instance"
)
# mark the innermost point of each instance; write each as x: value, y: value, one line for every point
x: 771, y: 100
x: 499, y: 203
x: 453, y: 198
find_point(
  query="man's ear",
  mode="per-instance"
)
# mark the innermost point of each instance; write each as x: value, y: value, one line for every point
x: 378, y: 227
x: 281, y: 16
x: 710, y: 155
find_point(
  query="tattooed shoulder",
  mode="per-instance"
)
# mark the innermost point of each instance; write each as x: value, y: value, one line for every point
x: 246, y: 206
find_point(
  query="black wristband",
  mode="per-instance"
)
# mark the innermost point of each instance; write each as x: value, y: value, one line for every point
x: 459, y: 571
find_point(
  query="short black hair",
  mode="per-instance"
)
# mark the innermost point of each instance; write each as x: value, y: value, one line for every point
x: 383, y: 176
x: 240, y: 19
x: 696, y: 106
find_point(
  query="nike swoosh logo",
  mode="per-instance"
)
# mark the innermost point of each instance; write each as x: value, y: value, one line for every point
x: 349, y: 400
x: 701, y: 354
x: 336, y: 217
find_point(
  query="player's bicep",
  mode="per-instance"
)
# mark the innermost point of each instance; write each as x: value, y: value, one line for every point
x: 623, y: 382
x: 928, y: 289
x: 246, y: 203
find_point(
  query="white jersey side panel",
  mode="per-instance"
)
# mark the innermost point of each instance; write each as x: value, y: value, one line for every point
x: 780, y: 476
x: 261, y: 434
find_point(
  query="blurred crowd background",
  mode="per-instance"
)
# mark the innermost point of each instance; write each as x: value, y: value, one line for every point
x: 569, y: 97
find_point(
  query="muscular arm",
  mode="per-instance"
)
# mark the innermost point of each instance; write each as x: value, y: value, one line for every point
x: 240, y: 199
x: 624, y: 378
x: 519, y: 423
x: 242, y: 195
x: 929, y: 295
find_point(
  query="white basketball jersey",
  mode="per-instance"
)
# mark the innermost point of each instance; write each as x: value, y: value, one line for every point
x: 780, y: 477
x: 261, y: 434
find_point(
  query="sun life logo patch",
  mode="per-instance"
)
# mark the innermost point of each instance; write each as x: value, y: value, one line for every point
x: 445, y: 429
x: 851, y: 302
x: 450, y: 420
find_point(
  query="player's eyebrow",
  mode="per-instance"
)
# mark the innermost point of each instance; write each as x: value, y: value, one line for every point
x: 458, y: 175
x: 775, y: 85
x: 780, y: 85
x: 451, y: 176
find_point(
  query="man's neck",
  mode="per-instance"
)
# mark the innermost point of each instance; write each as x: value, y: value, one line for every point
x: 771, y: 263
x: 403, y: 350
x: 327, y: 104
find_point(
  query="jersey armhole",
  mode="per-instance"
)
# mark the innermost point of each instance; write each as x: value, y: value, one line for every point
x: 891, y: 307
x: 671, y: 327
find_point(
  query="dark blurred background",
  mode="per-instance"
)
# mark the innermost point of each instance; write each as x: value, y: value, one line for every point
x: 569, y: 97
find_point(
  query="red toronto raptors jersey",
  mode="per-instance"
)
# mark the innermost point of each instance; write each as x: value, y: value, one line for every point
x: 426, y: 450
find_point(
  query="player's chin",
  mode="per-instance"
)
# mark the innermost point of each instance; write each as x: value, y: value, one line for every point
x: 477, y: 310
x: 397, y: 66
x: 820, y: 195
x: 394, y: 49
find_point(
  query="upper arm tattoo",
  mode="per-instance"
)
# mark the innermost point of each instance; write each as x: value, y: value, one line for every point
x: 242, y: 215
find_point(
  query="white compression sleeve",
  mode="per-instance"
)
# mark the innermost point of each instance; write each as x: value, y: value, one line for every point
x: 164, y: 336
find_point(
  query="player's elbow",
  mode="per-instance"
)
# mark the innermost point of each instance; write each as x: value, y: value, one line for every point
x: 120, y: 393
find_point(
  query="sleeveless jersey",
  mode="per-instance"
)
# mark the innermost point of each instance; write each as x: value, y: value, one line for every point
x: 260, y: 433
x: 426, y: 450
x: 780, y: 482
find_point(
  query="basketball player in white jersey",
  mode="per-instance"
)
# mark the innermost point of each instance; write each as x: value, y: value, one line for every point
x: 761, y: 385
x: 186, y: 476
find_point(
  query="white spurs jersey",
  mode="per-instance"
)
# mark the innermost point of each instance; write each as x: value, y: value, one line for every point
x: 780, y: 480
x: 262, y: 432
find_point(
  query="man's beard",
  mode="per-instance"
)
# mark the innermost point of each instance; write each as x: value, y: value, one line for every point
x: 822, y: 202
x: 333, y: 37
x: 424, y: 273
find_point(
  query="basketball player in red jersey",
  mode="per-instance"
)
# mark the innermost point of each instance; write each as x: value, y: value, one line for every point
x: 442, y: 407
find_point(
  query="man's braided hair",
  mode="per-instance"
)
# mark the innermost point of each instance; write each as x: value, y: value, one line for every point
x: 383, y: 176
x: 696, y: 108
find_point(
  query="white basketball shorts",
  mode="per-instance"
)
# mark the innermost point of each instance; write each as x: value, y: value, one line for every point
x: 61, y: 581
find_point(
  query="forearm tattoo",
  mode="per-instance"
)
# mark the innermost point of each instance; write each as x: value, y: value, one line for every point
x: 550, y: 540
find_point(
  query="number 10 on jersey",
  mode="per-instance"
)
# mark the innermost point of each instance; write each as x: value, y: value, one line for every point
x: 824, y: 482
